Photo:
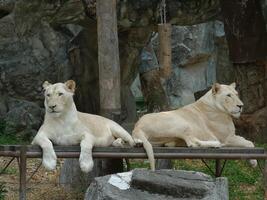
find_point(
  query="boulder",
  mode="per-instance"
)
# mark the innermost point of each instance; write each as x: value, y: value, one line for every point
x: 162, y: 184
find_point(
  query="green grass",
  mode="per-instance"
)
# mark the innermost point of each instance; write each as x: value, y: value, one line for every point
x: 245, y: 182
x: 9, y: 170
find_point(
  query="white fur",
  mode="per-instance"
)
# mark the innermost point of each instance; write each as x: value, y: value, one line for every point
x: 205, y: 123
x: 64, y: 125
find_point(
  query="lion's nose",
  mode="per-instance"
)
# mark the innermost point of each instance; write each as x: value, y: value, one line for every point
x: 52, y: 107
x: 240, y: 106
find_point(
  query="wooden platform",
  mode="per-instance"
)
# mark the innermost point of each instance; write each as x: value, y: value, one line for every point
x: 22, y: 152
x: 139, y: 152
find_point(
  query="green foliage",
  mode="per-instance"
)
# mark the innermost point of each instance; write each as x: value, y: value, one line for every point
x: 3, y: 191
x: 7, y: 138
x: 139, y: 164
x: 10, y: 171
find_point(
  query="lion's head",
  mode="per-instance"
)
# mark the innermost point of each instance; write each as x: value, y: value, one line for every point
x: 226, y: 99
x: 58, y: 97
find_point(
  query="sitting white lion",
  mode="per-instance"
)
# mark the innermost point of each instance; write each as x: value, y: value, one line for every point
x: 64, y: 125
x: 205, y: 123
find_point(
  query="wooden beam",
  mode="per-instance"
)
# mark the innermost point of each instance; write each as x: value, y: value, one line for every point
x: 24, y: 152
x: 109, y: 70
x: 108, y: 58
x: 22, y: 173
x: 265, y: 179
x: 172, y: 152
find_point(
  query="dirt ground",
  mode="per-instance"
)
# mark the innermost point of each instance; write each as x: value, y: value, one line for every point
x: 44, y: 185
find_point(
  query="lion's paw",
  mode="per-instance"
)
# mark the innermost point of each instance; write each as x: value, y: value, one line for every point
x: 253, y: 163
x: 138, y: 142
x: 132, y: 143
x: 216, y: 144
x: 118, y: 143
x: 50, y: 164
x: 86, y: 166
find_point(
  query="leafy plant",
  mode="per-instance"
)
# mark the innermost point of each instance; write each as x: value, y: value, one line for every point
x: 3, y: 191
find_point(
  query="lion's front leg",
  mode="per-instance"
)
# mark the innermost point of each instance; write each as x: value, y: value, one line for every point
x: 238, y: 141
x: 49, y: 156
x: 86, y: 160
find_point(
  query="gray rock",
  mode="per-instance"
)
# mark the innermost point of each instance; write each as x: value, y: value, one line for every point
x: 161, y: 184
x: 23, y: 118
x: 6, y: 6
x: 25, y: 63
x: 193, y: 62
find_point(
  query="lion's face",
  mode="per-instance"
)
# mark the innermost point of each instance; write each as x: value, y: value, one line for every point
x: 227, y: 100
x: 58, y: 97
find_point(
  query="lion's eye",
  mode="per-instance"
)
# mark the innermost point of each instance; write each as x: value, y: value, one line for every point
x: 229, y: 95
x: 48, y: 95
x: 60, y: 94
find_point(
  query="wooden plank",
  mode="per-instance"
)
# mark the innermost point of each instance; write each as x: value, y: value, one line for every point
x: 22, y: 173
x: 265, y: 180
x: 139, y: 152
x: 218, y: 168
x: 33, y: 148
x: 232, y: 156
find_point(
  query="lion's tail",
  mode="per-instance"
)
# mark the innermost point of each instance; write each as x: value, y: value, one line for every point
x: 139, y: 135
x: 119, y: 132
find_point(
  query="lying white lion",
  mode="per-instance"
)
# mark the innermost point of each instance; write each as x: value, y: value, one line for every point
x: 205, y: 123
x: 64, y: 125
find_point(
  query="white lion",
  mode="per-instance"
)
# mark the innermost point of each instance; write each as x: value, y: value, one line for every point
x: 205, y: 123
x: 64, y: 125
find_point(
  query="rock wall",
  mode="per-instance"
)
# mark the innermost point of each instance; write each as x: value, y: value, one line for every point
x: 200, y: 57
x: 56, y: 40
x: 195, y: 57
x: 30, y: 52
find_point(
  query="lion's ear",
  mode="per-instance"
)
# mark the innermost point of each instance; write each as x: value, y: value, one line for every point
x: 215, y: 88
x: 233, y: 85
x: 71, y: 85
x: 46, y: 84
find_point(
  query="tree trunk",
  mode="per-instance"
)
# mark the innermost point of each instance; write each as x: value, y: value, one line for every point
x: 165, y: 49
x: 251, y: 79
x: 109, y: 71
x: 245, y: 30
x: 247, y: 38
